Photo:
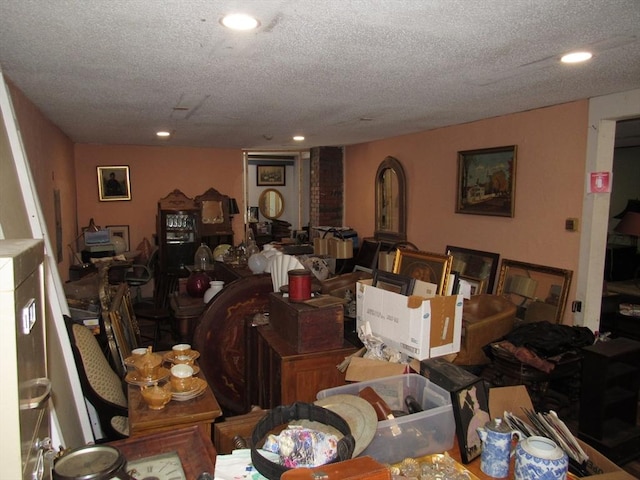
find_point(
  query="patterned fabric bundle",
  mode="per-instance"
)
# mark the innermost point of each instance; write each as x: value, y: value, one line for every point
x: 302, y: 447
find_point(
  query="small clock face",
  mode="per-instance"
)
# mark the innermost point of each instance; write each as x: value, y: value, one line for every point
x: 91, y: 461
x: 166, y: 466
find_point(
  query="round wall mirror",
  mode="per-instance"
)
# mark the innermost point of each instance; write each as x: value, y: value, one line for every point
x: 271, y: 203
x: 391, y: 214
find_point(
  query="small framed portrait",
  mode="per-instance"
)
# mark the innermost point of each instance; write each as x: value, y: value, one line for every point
x: 425, y: 266
x: 114, y: 183
x: 271, y: 175
x: 470, y: 410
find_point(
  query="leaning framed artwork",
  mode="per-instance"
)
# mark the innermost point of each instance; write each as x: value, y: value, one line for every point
x: 470, y: 411
x: 486, y: 181
x: 114, y: 183
x: 475, y: 265
x: 271, y: 175
x: 425, y: 266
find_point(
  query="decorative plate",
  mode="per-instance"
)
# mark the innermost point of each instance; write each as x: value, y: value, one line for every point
x: 358, y: 413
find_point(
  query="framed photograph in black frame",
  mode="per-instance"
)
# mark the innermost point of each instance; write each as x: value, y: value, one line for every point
x: 486, y: 181
x: 392, y: 282
x: 271, y: 175
x: 470, y: 410
x: 476, y: 265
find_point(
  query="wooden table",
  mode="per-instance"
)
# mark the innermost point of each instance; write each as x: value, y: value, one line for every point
x: 202, y: 410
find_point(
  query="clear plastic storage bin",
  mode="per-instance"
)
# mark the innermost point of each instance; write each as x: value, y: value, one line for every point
x: 413, y: 435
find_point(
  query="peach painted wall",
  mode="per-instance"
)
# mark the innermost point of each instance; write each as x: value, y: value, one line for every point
x: 550, y: 181
x: 50, y: 155
x: 155, y: 172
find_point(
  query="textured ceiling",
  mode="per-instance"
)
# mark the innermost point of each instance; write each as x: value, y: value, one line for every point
x: 337, y: 71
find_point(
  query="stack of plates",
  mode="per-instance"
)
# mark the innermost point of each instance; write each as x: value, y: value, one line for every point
x: 198, y: 386
x: 135, y: 378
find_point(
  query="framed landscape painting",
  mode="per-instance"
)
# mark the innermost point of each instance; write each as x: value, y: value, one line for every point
x: 486, y: 181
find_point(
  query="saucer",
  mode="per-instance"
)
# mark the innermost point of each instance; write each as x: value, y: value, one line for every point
x: 171, y: 356
x: 198, y: 386
x: 134, y: 378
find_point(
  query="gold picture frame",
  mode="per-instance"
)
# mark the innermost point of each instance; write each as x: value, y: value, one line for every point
x: 424, y: 266
x: 540, y: 292
x: 114, y: 183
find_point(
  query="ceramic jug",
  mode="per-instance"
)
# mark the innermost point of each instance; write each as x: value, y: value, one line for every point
x: 496, y: 439
x: 214, y: 288
x: 540, y: 458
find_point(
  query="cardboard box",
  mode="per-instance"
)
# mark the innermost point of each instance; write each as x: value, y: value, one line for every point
x: 514, y: 399
x: 306, y: 328
x: 421, y: 328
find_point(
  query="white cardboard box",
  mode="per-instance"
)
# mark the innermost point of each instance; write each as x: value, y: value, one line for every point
x: 419, y: 327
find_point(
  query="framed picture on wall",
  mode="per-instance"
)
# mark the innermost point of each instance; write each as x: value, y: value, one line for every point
x: 114, y: 183
x: 486, y: 181
x: 271, y: 175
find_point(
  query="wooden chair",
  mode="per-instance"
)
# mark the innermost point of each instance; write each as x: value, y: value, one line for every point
x: 141, y: 274
x: 101, y: 385
x: 158, y: 310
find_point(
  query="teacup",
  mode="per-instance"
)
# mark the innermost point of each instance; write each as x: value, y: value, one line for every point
x: 181, y: 376
x: 182, y: 350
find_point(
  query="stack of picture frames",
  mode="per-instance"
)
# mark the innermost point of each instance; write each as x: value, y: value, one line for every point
x: 416, y: 273
x: 476, y: 267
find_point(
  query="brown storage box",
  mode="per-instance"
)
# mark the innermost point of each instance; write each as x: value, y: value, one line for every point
x: 306, y: 328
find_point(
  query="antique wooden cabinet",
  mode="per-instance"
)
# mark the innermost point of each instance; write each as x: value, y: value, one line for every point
x: 278, y: 375
x: 214, y: 217
x: 178, y: 219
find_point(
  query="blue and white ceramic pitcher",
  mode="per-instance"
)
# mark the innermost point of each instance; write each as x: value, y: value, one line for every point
x: 496, y: 447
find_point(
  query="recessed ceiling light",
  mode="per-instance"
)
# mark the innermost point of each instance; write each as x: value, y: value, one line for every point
x: 576, y: 57
x: 298, y: 138
x: 239, y: 21
x: 163, y: 134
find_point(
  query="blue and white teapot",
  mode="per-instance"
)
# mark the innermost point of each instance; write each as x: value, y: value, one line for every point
x: 497, y: 449
x: 540, y: 458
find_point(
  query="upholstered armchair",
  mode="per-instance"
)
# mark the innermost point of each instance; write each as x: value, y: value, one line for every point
x: 485, y: 318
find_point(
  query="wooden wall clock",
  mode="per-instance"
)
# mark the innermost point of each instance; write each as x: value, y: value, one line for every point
x: 179, y: 454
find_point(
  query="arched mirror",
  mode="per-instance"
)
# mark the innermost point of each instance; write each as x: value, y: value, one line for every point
x: 271, y: 203
x: 391, y: 212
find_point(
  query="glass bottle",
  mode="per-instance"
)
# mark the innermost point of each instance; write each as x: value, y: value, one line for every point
x: 203, y: 259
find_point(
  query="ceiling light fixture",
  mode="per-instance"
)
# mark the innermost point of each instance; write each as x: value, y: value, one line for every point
x: 576, y: 57
x: 163, y: 134
x: 298, y: 138
x: 239, y: 21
